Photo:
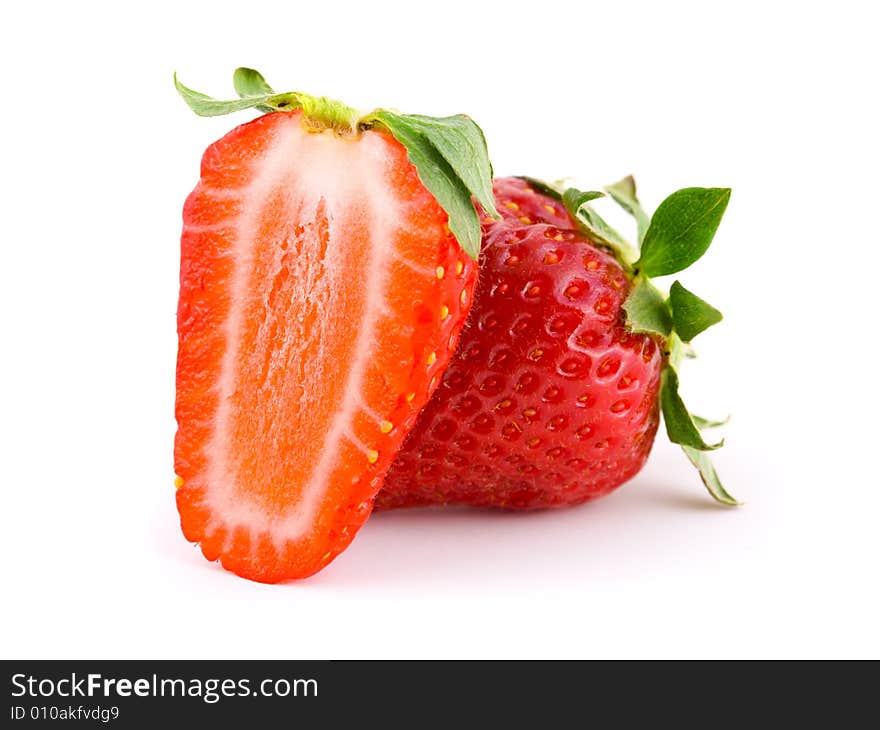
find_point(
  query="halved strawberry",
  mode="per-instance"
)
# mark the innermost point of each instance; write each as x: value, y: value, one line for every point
x: 321, y: 295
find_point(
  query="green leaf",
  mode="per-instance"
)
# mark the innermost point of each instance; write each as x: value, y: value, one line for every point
x: 207, y: 106
x: 575, y: 199
x: 682, y: 229
x: 462, y: 144
x: 690, y: 314
x: 701, y: 460
x: 646, y: 310
x: 542, y: 187
x: 577, y: 203
x: 438, y: 176
x: 249, y: 82
x: 624, y: 194
x: 680, y: 427
x: 703, y: 423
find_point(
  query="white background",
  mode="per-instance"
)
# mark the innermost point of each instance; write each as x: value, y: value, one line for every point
x: 776, y: 100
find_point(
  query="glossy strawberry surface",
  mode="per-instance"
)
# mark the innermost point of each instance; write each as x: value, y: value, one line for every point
x: 549, y: 400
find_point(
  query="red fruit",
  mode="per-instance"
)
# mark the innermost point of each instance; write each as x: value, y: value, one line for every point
x: 549, y: 399
x: 321, y: 295
x: 519, y: 202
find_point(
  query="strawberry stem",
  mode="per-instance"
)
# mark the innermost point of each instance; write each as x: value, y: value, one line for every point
x: 320, y: 113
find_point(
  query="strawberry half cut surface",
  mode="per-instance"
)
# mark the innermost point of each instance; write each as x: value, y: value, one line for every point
x: 569, y: 356
x: 326, y: 271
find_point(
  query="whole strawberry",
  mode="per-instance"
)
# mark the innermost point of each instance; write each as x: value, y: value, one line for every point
x: 554, y: 394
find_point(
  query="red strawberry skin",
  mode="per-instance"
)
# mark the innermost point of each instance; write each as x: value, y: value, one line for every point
x: 549, y: 401
x: 520, y: 203
x: 321, y: 295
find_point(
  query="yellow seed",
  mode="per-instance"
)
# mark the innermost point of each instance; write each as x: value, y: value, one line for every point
x: 444, y: 312
x: 463, y: 297
x: 372, y: 456
x: 525, y: 219
x: 512, y: 205
x: 549, y: 208
x: 432, y: 358
x: 178, y: 482
x: 488, y: 220
x: 409, y: 398
x: 326, y: 557
x: 558, y: 237
x: 386, y: 426
x: 441, y: 272
x: 459, y: 267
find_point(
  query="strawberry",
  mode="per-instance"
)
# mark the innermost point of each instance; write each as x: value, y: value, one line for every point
x: 554, y: 395
x: 324, y: 281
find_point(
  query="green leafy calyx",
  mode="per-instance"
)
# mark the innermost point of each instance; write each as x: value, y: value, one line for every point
x: 647, y: 311
x: 680, y: 426
x: 449, y: 153
x: 690, y: 314
x: 681, y: 230
x: 703, y: 464
x: 677, y: 235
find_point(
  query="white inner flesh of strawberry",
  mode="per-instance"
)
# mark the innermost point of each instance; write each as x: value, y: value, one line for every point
x: 324, y: 178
